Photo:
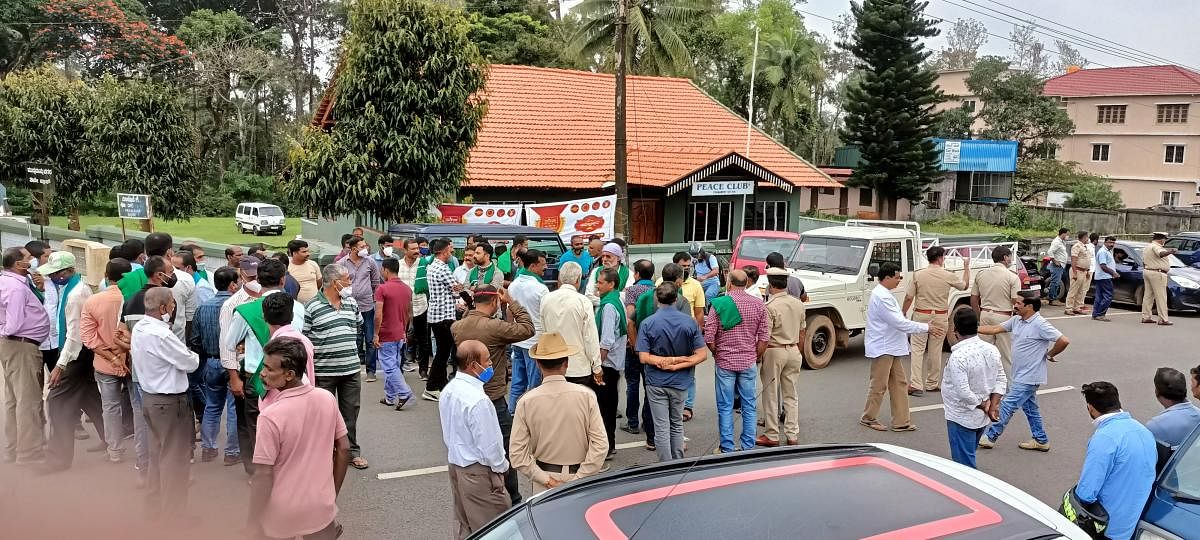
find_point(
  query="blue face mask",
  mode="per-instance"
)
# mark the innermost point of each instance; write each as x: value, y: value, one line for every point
x: 486, y: 374
x: 424, y: 251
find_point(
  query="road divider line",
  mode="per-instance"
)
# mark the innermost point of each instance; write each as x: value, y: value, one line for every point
x: 1109, y: 314
x: 442, y: 468
x: 1039, y: 392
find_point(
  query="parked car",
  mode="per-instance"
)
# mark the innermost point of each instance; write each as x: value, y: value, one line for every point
x: 1183, y: 289
x: 1188, y: 244
x: 1173, y: 512
x: 865, y: 491
x: 543, y: 239
x: 752, y: 247
x: 259, y: 218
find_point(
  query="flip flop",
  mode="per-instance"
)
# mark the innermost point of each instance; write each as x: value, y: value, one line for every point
x: 909, y: 427
x: 359, y: 463
x: 875, y: 425
x: 687, y: 415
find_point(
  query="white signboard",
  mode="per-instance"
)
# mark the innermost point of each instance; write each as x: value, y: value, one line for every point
x: 951, y: 152
x: 730, y: 187
x: 581, y: 217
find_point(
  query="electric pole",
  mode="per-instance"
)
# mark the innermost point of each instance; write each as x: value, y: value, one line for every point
x: 621, y: 172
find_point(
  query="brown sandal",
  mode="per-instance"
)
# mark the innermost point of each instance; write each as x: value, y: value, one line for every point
x: 874, y: 424
x: 909, y: 427
x: 359, y: 463
x: 687, y: 415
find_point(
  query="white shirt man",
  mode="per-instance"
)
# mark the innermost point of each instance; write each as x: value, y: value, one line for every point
x: 972, y: 378
x: 528, y: 290
x: 887, y: 345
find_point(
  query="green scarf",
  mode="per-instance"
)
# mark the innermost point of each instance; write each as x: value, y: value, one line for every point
x: 644, y: 308
x: 487, y: 276
x: 253, y: 314
x: 36, y: 292
x: 504, y: 261
x: 727, y: 311
x: 421, y: 282
x: 132, y: 282
x: 524, y: 272
x: 62, y: 308
x: 622, y: 276
x: 613, y: 298
x: 200, y: 275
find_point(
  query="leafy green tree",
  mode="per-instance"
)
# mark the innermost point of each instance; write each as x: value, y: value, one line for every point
x: 515, y: 38
x: 1014, y: 108
x: 890, y: 111
x: 655, y: 45
x: 1036, y: 177
x: 140, y: 139
x: 954, y: 124
x: 1095, y: 193
x: 791, y: 69
x: 407, y: 115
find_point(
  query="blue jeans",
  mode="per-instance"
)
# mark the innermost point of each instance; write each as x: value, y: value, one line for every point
x: 1055, y: 286
x: 741, y: 382
x: 1023, y: 396
x: 217, y: 398
x: 691, y: 396
x: 394, y: 387
x: 633, y: 389
x: 712, y: 288
x: 962, y: 443
x: 366, y: 343
x: 525, y: 375
x: 141, y: 432
x: 1104, y: 296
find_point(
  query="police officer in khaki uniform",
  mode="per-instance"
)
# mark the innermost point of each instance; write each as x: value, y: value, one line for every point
x: 1157, y: 260
x: 993, y: 293
x: 782, y: 360
x: 1081, y: 274
x: 558, y: 434
x: 929, y: 296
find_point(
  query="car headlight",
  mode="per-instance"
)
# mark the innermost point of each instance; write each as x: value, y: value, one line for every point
x: 1187, y: 283
x: 264, y: 222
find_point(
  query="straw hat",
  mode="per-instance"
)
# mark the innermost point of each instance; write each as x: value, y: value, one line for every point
x: 552, y: 346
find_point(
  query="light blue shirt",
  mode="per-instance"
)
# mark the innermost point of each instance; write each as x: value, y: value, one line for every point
x: 1031, y: 341
x: 1105, y: 257
x: 706, y: 265
x: 1173, y: 425
x: 1118, y: 471
x: 240, y: 332
x: 584, y: 260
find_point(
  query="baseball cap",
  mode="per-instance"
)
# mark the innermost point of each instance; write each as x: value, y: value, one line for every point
x: 248, y: 264
x: 59, y: 260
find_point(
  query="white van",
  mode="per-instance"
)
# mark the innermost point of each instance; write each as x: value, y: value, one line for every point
x: 259, y: 218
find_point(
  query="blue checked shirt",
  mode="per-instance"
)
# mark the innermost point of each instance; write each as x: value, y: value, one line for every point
x: 208, y: 324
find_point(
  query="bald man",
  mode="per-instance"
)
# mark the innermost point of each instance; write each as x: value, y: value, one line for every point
x: 737, y: 330
x: 471, y: 431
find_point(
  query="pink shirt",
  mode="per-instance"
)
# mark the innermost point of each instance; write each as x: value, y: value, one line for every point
x: 296, y: 436
x: 310, y: 376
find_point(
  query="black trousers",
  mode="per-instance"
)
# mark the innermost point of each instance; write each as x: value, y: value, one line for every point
x: 419, y: 343
x: 348, y: 391
x: 76, y: 391
x: 445, y: 350
x: 246, y: 408
x: 608, y: 397
x: 511, y: 479
x: 50, y: 358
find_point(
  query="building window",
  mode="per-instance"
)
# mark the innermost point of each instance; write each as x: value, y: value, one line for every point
x: 767, y: 216
x: 1170, y: 198
x: 827, y: 191
x: 968, y: 105
x: 866, y: 197
x: 1175, y: 113
x: 710, y: 221
x: 1100, y: 152
x: 991, y: 186
x: 933, y: 200
x: 1174, y: 154
x: 1110, y: 114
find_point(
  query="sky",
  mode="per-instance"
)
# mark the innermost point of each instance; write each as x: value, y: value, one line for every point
x: 1169, y: 29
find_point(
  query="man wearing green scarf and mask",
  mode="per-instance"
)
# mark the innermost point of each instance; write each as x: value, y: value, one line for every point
x: 484, y: 272
x: 611, y: 257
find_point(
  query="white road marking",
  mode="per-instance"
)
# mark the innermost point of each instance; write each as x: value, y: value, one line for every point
x: 1110, y: 314
x: 442, y: 468
x: 1039, y: 392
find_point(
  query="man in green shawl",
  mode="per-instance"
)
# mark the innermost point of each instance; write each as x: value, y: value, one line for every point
x: 612, y: 257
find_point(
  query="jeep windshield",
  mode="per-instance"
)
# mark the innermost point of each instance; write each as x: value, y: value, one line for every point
x: 829, y: 255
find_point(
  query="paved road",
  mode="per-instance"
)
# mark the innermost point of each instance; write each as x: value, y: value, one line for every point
x: 411, y: 500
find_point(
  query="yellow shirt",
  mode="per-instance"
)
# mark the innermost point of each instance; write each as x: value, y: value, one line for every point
x: 306, y: 275
x: 787, y: 318
x: 1082, y: 252
x: 692, y: 290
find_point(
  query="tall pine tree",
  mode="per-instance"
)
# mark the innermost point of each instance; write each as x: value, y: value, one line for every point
x: 889, y: 114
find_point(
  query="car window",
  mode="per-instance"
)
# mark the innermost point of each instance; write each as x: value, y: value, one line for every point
x: 1122, y: 256
x: 271, y: 211
x: 1184, y: 476
x: 1177, y: 243
x: 514, y: 527
x: 833, y: 255
x: 757, y: 248
x: 883, y: 252
x: 254, y: 211
x: 549, y: 246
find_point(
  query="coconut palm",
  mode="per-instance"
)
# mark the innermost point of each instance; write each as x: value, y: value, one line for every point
x: 655, y: 47
x: 790, y: 66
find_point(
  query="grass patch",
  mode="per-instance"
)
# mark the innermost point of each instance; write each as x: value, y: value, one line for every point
x: 953, y: 224
x: 219, y: 230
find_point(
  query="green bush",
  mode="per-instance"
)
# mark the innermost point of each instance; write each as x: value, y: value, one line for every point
x: 1017, y: 216
x: 1095, y: 194
x: 1046, y: 223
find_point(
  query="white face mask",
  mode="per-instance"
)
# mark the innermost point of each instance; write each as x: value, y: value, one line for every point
x: 387, y: 251
x: 253, y: 287
x: 346, y: 292
x: 363, y: 252
x: 166, y: 317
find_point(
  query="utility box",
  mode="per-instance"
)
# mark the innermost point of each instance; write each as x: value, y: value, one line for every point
x: 90, y: 259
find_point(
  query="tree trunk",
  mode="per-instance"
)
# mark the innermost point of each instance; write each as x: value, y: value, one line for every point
x: 73, y: 221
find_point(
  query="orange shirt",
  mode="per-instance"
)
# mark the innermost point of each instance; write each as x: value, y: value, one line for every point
x: 98, y: 327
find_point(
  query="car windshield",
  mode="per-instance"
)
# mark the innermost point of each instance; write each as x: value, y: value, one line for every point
x: 270, y: 211
x: 830, y: 255
x: 1175, y: 262
x: 1184, y: 477
x: 549, y: 246
x: 756, y: 248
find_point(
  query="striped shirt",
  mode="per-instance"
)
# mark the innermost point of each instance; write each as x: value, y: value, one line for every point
x: 442, y: 300
x: 334, y: 335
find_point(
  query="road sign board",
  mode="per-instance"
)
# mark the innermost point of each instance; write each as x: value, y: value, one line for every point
x: 133, y: 206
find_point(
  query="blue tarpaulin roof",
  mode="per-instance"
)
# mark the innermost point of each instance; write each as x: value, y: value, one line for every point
x: 977, y: 155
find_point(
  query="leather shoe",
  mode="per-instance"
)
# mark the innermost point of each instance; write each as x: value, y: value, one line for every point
x: 765, y: 442
x: 916, y: 392
x: 792, y: 442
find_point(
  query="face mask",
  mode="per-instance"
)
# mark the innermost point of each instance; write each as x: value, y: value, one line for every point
x: 424, y: 251
x: 346, y: 292
x: 200, y: 266
x: 253, y: 287
x: 687, y: 273
x: 387, y: 251
x: 486, y: 374
x: 170, y: 281
x: 60, y: 281
x: 166, y: 317
x: 33, y: 264
x: 363, y: 252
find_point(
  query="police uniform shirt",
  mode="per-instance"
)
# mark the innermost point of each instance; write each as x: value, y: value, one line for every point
x: 931, y: 286
x: 996, y: 286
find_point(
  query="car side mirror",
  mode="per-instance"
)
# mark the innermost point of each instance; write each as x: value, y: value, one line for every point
x: 872, y: 271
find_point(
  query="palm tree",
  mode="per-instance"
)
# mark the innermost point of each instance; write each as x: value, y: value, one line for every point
x: 655, y: 45
x: 790, y: 68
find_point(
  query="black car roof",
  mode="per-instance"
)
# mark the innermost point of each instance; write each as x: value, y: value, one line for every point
x: 821, y: 491
x: 463, y: 229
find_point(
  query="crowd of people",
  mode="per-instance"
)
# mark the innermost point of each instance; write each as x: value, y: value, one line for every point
x: 527, y: 376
